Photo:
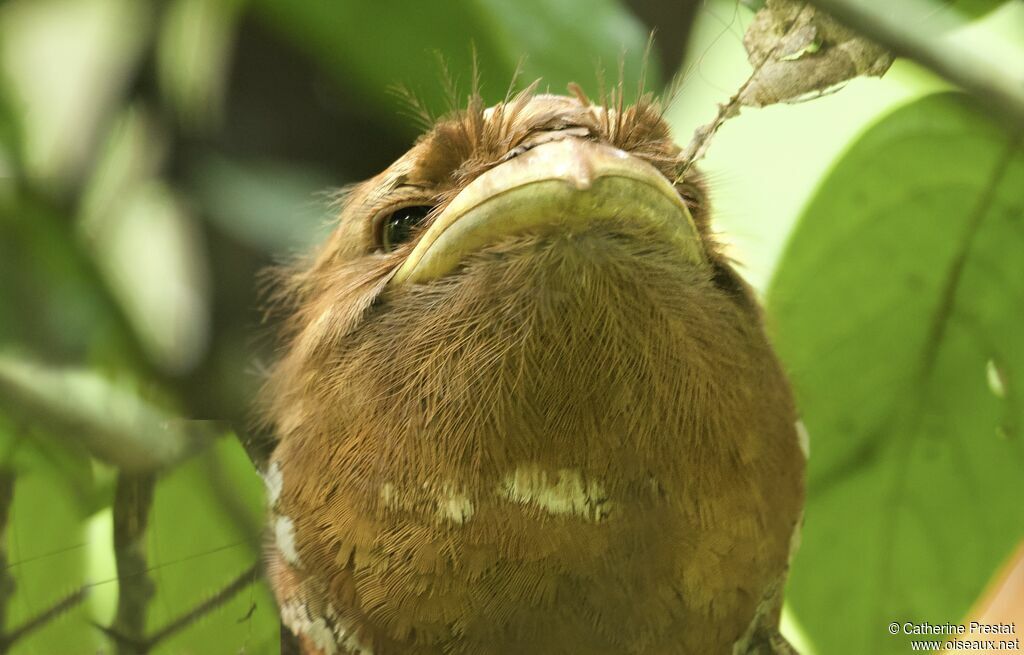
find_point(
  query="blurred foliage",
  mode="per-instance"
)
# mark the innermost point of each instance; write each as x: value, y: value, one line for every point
x: 371, y: 44
x: 155, y: 156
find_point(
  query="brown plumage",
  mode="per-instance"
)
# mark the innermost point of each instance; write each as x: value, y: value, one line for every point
x: 577, y: 440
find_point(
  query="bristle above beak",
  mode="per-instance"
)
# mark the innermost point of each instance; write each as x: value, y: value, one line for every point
x: 568, y: 183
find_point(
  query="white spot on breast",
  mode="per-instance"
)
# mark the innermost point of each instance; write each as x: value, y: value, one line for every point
x: 284, y: 537
x: 564, y: 493
x: 273, y: 479
x: 803, y: 438
x: 387, y: 494
x: 322, y: 636
x: 457, y: 508
x: 449, y: 505
x: 347, y: 636
x: 327, y: 632
x: 295, y: 615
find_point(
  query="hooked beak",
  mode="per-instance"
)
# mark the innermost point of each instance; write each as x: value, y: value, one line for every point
x: 568, y: 183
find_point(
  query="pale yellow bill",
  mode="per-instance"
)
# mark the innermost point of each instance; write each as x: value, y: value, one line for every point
x: 569, y: 182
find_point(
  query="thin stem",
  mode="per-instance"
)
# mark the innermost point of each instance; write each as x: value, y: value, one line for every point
x: 42, y: 618
x: 133, y: 498
x: 205, y: 607
x: 701, y: 141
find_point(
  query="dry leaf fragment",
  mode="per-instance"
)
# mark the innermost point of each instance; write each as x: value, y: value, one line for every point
x: 797, y: 50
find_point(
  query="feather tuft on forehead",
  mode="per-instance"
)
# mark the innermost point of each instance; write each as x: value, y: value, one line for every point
x: 476, y: 138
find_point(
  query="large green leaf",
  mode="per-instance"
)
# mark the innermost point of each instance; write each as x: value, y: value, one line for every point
x: 46, y: 550
x: 373, y: 47
x: 897, y: 309
x: 204, y: 533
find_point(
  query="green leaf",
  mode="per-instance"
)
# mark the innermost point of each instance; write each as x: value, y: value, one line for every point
x: 564, y: 42
x: 204, y: 533
x: 10, y: 140
x: 378, y: 47
x: 897, y: 298
x: 46, y: 545
x: 974, y: 8
x: 27, y: 451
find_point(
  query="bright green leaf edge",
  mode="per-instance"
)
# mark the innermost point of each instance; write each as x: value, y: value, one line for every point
x: 899, y: 293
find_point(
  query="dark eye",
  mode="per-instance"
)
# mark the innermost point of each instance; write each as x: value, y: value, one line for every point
x: 399, y: 227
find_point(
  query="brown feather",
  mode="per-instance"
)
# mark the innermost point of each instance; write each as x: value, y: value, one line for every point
x: 429, y: 431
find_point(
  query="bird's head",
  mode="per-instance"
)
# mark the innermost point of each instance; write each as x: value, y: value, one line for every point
x: 540, y: 264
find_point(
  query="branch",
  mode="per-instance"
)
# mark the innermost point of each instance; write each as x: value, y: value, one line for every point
x: 135, y: 644
x: 894, y: 25
x: 132, y: 501
x: 701, y: 140
x: 202, y: 609
x: 41, y: 619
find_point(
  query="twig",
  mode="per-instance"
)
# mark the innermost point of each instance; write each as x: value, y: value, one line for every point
x: 41, y: 619
x: 206, y: 606
x: 136, y: 644
x: 698, y: 146
x: 892, y: 25
x: 133, y: 498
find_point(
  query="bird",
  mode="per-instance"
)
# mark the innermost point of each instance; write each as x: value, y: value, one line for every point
x: 525, y: 404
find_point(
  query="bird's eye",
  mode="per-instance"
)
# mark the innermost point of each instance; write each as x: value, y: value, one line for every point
x: 400, y: 226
